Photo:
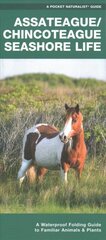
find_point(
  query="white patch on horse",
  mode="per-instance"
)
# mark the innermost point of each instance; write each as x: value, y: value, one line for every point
x: 68, y: 127
x: 48, y: 153
x: 32, y: 130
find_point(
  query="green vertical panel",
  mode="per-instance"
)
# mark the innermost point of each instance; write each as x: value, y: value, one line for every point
x: 21, y: 226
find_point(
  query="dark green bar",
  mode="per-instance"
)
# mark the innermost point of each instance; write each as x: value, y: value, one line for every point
x: 23, y: 226
x: 13, y: 6
x: 31, y: 6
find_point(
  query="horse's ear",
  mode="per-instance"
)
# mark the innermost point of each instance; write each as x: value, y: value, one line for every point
x: 66, y: 106
x: 77, y: 108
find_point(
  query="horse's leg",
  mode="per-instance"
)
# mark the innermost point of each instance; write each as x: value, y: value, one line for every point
x: 40, y: 173
x: 21, y: 180
x: 24, y: 167
x: 31, y: 174
x: 65, y: 168
x: 79, y: 171
x: 63, y: 175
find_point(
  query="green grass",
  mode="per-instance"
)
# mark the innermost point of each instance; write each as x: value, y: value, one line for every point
x: 52, y: 196
x: 52, y: 209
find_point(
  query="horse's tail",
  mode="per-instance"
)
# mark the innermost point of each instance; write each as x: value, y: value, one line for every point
x: 27, y: 131
x: 24, y: 141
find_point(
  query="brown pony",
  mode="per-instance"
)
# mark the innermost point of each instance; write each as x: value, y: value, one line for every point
x: 74, y: 156
x: 46, y: 148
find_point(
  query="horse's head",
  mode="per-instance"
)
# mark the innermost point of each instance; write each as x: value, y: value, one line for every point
x: 73, y: 123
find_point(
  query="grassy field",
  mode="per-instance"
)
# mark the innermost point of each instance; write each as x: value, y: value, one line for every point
x: 53, y: 196
x: 27, y: 99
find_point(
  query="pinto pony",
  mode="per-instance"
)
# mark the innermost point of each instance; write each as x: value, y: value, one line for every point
x: 46, y: 148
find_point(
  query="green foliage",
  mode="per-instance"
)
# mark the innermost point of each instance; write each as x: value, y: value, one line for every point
x: 88, y: 83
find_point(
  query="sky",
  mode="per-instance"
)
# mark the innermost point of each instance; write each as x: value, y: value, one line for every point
x: 76, y: 68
